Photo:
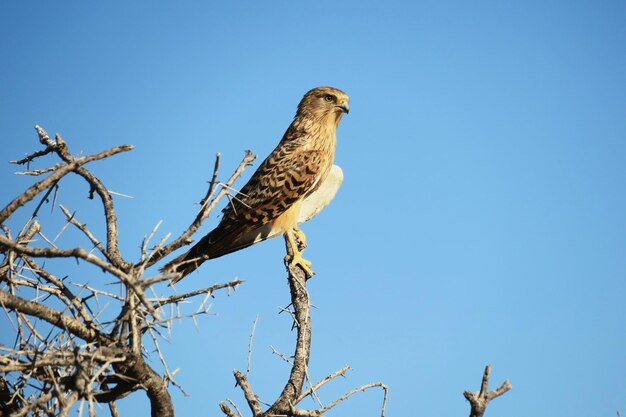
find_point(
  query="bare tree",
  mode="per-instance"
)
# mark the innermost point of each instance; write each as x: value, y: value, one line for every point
x: 76, y: 343
x: 80, y: 342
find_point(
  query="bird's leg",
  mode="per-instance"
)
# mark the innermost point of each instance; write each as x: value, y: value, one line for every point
x: 294, y: 253
x: 300, y: 238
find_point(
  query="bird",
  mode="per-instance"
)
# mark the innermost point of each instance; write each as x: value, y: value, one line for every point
x: 291, y: 185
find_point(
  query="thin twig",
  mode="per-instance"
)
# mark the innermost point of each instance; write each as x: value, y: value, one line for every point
x: 83, y: 228
x: 98, y: 187
x: 37, y: 172
x: 341, y: 372
x: 33, y: 156
x: 50, y: 180
x: 210, y: 290
x: 81, y: 253
x: 256, y: 319
x: 360, y: 389
x: 211, y: 190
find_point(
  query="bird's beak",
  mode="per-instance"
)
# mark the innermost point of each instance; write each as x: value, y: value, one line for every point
x: 345, y: 107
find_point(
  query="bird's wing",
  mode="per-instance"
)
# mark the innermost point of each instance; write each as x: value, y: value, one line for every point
x: 322, y: 197
x: 282, y: 179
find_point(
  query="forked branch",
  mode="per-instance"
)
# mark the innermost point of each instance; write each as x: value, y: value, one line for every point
x: 480, y: 399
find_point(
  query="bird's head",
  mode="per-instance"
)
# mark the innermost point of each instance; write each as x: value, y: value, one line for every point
x: 326, y: 104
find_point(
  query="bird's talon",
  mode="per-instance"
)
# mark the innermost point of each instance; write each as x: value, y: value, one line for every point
x: 297, y: 259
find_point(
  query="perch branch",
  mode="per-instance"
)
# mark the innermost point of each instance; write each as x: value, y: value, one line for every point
x: 293, y: 388
x: 292, y: 393
x: 302, y: 310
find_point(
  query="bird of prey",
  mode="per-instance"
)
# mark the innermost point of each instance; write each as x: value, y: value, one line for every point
x: 286, y: 189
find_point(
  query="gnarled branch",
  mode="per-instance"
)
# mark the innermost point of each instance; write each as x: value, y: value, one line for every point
x: 480, y: 399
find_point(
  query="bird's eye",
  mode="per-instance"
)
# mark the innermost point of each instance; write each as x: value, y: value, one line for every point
x: 329, y: 98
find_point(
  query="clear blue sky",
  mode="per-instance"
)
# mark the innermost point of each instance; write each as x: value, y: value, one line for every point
x: 482, y: 218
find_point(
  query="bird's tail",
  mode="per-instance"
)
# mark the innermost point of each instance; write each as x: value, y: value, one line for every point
x: 186, y: 263
x: 220, y: 241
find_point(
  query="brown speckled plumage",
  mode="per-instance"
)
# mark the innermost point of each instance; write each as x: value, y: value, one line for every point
x: 268, y: 205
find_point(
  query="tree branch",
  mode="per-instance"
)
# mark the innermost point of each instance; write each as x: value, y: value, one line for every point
x: 56, y: 371
x: 48, y: 314
x: 210, y: 290
x: 301, y: 305
x: 82, y: 254
x: 292, y: 394
x: 60, y: 147
x: 480, y: 399
x: 50, y: 180
x: 312, y: 389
